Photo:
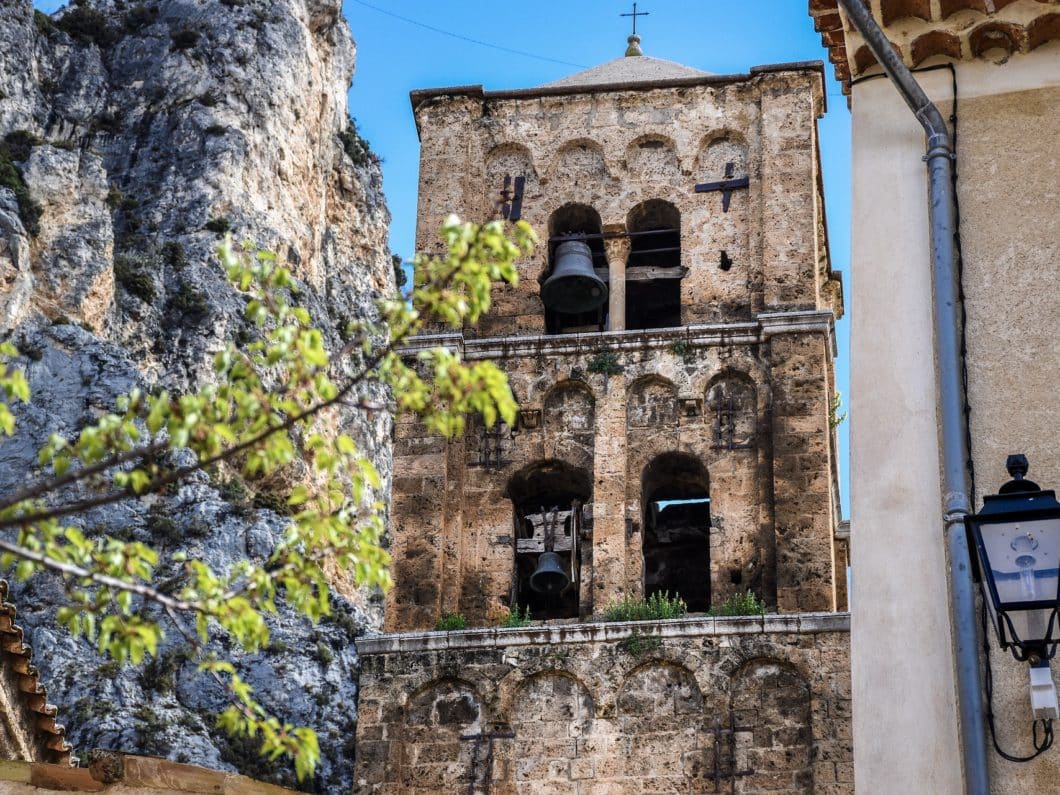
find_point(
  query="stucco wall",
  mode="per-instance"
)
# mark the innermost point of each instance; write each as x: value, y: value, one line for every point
x: 904, y: 709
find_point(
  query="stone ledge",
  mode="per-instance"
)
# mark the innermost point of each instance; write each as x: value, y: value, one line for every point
x: 701, y: 334
x: 498, y: 637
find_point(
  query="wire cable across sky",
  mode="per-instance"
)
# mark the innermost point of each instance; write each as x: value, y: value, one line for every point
x: 481, y: 43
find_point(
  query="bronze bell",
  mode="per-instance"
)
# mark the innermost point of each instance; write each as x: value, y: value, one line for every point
x: 573, y: 286
x: 550, y: 576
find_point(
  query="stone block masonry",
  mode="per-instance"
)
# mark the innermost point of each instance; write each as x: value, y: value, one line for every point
x: 675, y: 438
x: 744, y: 705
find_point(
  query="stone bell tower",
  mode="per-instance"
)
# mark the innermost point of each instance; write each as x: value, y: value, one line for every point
x: 670, y: 344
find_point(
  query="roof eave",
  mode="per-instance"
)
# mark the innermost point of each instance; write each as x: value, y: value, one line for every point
x: 422, y: 95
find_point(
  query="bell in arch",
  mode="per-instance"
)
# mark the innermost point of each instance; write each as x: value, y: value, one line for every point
x: 573, y: 286
x: 550, y: 576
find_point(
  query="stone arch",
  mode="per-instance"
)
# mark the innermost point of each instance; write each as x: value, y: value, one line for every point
x: 547, y: 479
x: 1045, y: 28
x: 660, y: 714
x: 435, y: 718
x: 659, y: 689
x: 579, y: 163
x: 505, y: 163
x: 547, y: 517
x: 773, y: 698
x: 675, y: 496
x: 996, y: 35
x: 574, y: 224
x: 574, y: 218
x: 652, y: 156
x: 510, y: 158
x: 652, y: 402
x: 551, y: 703
x: 716, y: 152
x: 732, y: 405
x: 596, y: 681
x: 570, y: 423
x: 653, y: 269
x: 935, y: 42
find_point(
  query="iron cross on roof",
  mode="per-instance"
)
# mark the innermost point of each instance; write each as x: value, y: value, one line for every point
x: 635, y: 14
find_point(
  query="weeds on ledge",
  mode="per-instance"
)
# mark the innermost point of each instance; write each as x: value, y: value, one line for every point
x: 451, y: 621
x: 743, y: 604
x: 516, y: 618
x: 658, y: 606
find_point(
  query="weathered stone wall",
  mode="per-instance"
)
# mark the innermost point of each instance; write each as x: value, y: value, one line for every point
x: 612, y: 151
x: 727, y: 400
x: 586, y: 711
x: 772, y: 507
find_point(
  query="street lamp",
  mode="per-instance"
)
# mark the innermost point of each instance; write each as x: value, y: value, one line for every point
x: 1017, y: 537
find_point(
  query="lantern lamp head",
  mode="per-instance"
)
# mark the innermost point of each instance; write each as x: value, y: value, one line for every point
x: 1017, y: 539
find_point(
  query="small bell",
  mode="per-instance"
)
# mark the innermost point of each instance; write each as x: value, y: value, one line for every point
x: 550, y: 576
x: 574, y: 286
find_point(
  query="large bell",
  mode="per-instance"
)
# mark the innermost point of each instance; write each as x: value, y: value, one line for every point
x: 573, y: 286
x: 550, y: 576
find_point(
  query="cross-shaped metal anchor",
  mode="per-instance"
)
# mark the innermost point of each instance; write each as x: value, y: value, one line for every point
x: 726, y: 186
x: 487, y: 763
x: 512, y: 203
x: 724, y: 762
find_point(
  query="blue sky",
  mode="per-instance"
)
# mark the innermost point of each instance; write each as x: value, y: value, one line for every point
x: 398, y: 55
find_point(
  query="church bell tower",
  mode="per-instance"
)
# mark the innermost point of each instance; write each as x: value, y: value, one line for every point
x: 670, y: 344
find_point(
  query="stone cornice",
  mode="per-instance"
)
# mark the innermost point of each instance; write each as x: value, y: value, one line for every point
x: 421, y: 95
x: 698, y: 627
x: 752, y: 332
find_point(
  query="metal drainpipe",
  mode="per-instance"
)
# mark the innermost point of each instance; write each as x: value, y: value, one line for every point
x: 954, y: 445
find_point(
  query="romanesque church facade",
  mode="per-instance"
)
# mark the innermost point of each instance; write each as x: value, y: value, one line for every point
x: 670, y: 344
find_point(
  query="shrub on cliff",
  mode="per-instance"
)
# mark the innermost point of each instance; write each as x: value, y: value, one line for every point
x: 242, y: 422
x: 87, y: 26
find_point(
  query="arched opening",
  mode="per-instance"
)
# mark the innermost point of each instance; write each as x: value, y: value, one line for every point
x: 675, y: 493
x: 653, y: 270
x: 547, y: 499
x: 576, y: 223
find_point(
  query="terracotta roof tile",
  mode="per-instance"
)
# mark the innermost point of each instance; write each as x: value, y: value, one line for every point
x: 15, y: 656
x: 918, y: 32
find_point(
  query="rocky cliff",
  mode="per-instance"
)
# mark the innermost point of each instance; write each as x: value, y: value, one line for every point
x: 133, y: 135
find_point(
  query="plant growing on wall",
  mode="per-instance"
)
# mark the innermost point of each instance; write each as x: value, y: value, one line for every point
x: 742, y: 604
x: 270, y: 405
x: 659, y: 606
x: 605, y: 362
x: 637, y: 644
x: 835, y: 419
x: 519, y: 617
x: 450, y: 622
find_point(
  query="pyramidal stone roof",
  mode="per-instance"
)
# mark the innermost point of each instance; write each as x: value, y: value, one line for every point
x: 634, y: 67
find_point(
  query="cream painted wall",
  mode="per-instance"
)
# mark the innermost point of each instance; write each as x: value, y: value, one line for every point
x: 905, y: 716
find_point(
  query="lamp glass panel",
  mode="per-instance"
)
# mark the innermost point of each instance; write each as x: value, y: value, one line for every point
x: 1030, y: 625
x: 1024, y: 562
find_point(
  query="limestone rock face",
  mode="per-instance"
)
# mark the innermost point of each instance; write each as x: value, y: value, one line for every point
x: 134, y: 135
